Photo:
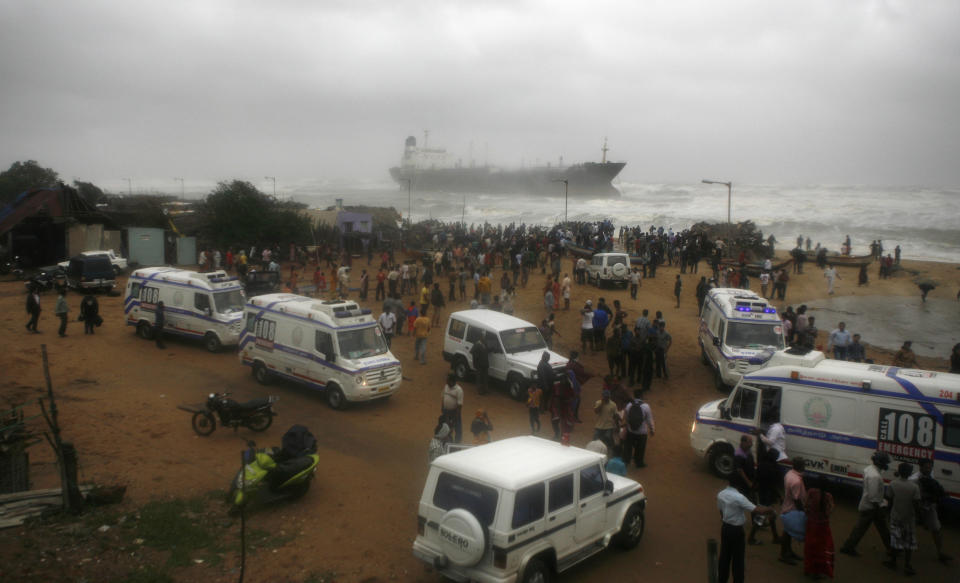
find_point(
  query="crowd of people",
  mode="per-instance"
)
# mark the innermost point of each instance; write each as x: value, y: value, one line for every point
x: 757, y: 486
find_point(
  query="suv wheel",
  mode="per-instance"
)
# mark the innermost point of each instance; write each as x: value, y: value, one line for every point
x: 515, y: 387
x: 463, y: 539
x: 631, y: 531
x: 721, y: 460
x: 537, y: 571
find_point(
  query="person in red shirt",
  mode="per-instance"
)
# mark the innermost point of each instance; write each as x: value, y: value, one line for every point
x: 794, y: 497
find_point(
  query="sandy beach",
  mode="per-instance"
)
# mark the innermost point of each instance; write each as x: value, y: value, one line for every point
x: 118, y: 397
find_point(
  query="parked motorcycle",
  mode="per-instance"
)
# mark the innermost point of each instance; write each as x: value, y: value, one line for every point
x: 47, y: 278
x: 15, y: 266
x: 256, y: 414
x: 276, y: 473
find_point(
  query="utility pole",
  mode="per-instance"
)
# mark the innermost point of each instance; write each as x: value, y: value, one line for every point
x: 729, y: 186
x: 129, y: 186
x: 181, y: 186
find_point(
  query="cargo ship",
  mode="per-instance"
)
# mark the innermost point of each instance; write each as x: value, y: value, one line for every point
x: 431, y: 169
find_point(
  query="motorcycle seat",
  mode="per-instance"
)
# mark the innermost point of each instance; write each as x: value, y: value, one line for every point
x: 288, y: 468
x: 249, y: 405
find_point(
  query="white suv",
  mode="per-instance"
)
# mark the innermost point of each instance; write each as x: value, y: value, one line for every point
x: 523, y: 509
x: 514, y: 347
x: 609, y: 268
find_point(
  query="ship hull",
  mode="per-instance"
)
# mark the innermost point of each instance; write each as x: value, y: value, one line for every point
x: 588, y: 179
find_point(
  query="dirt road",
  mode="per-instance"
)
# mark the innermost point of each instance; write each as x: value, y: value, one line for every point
x: 118, y: 397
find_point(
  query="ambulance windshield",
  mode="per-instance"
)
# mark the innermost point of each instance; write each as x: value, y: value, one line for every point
x: 228, y: 301
x: 361, y: 343
x: 756, y: 336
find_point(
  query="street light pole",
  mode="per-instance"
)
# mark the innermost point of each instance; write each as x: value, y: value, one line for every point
x: 566, y: 198
x: 181, y: 186
x: 274, y: 179
x: 729, y: 186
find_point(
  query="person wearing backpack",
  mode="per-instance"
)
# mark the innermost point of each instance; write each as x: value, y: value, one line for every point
x: 639, y: 425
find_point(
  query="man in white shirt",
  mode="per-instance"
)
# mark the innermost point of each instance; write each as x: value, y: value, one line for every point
x: 839, y: 340
x: 733, y: 505
x: 831, y: 274
x: 776, y: 436
x: 451, y: 403
x: 873, y: 506
x: 388, y: 323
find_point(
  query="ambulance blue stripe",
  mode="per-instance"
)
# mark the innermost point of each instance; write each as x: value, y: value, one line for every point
x: 919, y: 396
x: 246, y: 338
x: 184, y: 312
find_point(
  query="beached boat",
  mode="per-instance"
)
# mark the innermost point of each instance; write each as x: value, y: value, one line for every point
x: 755, y: 268
x: 835, y: 258
x: 578, y: 251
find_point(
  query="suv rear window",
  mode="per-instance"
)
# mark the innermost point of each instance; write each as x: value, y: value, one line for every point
x: 456, y: 492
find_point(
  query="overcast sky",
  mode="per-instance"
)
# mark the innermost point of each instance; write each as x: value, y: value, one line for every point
x: 754, y: 91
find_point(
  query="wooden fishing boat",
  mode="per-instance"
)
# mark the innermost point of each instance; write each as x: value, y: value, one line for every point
x: 755, y: 268
x: 835, y: 258
x: 578, y: 251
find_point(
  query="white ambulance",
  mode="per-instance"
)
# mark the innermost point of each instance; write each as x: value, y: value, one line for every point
x: 330, y: 345
x: 836, y: 414
x: 739, y: 332
x: 208, y: 305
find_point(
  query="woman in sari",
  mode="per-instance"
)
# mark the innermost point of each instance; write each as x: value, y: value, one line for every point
x: 818, y: 555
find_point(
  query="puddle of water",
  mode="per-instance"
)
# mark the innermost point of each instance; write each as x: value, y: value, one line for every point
x: 886, y: 321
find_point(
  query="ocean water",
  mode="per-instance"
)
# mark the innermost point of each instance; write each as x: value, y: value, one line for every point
x: 923, y: 221
x: 886, y: 321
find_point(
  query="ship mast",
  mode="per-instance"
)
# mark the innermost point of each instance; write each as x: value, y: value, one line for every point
x: 604, y: 150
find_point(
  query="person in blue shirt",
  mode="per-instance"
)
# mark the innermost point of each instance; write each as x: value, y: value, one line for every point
x: 615, y: 464
x: 600, y: 320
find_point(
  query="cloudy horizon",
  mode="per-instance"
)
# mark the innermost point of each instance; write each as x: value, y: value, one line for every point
x: 860, y: 92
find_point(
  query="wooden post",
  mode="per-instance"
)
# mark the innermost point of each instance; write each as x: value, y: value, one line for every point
x: 65, y: 452
x: 712, y: 560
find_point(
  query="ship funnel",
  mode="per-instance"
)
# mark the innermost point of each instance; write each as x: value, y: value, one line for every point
x: 411, y: 142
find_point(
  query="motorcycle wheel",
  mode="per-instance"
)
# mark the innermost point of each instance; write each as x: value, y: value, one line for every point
x: 260, y: 422
x: 300, y: 489
x: 203, y: 423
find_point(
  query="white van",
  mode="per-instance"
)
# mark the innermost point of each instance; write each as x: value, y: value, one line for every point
x: 330, y: 345
x: 208, y: 306
x: 609, y: 268
x: 515, y: 348
x: 739, y: 332
x: 836, y: 414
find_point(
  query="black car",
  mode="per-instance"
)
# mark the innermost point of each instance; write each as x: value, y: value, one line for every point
x: 47, y: 278
x: 257, y: 283
x: 90, y: 273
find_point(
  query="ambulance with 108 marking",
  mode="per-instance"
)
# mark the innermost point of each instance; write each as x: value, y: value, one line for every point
x: 836, y: 414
